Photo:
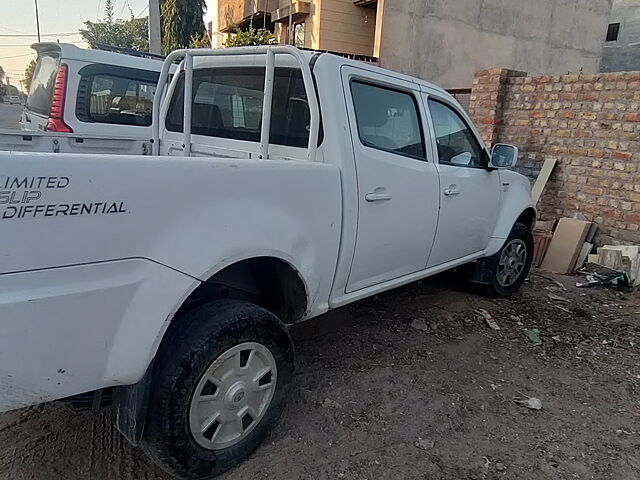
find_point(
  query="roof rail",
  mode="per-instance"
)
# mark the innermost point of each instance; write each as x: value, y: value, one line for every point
x: 127, y: 51
x: 350, y: 56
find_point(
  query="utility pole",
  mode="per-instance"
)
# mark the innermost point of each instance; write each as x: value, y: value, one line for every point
x: 264, y: 15
x: 291, y: 40
x: 37, y: 21
x: 154, y: 27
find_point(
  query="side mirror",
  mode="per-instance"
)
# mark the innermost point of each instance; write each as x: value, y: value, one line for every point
x: 503, y: 156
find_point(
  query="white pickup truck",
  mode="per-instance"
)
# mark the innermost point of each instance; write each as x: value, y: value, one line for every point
x: 166, y: 280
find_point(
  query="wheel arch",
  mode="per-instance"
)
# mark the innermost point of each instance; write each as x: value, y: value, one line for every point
x: 269, y: 281
x: 527, y: 218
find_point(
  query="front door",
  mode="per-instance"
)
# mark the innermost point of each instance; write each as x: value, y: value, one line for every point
x: 469, y: 193
x: 398, y: 190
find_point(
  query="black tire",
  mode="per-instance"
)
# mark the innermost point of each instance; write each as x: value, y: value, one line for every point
x: 197, y: 340
x: 493, y: 287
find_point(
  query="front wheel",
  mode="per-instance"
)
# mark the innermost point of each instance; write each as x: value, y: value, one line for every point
x: 220, y: 383
x: 507, y: 269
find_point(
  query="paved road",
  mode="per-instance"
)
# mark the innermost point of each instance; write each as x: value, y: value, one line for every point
x: 9, y: 116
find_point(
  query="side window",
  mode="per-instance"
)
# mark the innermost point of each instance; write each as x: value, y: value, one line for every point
x: 118, y: 100
x: 457, y: 145
x: 227, y: 103
x: 387, y: 119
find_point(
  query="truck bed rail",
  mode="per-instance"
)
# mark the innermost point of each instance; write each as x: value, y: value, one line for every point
x: 55, y: 142
x: 186, y: 57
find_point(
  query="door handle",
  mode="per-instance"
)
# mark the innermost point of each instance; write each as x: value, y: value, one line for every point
x: 449, y: 192
x: 377, y: 197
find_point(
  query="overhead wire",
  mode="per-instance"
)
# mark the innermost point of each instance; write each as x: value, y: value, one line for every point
x: 13, y: 45
x: 18, y: 56
x: 124, y: 4
x: 29, y: 35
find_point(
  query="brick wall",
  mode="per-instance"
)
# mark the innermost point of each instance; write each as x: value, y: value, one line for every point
x: 589, y: 123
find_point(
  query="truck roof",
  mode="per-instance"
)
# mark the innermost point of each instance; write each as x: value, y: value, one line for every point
x: 382, y: 71
x: 334, y: 61
x: 73, y: 52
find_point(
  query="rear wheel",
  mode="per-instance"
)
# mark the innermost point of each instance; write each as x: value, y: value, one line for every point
x: 221, y: 380
x: 508, y: 269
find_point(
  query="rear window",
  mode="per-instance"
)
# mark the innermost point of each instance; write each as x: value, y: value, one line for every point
x: 227, y: 103
x: 41, y: 90
x: 118, y: 100
x: 116, y: 95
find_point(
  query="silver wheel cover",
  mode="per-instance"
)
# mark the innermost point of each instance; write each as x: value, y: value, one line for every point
x: 232, y: 396
x: 512, y: 262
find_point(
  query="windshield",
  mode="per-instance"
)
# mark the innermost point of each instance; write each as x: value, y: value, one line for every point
x: 41, y: 90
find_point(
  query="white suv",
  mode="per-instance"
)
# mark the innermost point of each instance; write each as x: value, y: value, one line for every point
x: 79, y: 90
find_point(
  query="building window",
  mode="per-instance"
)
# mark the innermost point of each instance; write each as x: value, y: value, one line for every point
x: 612, y: 32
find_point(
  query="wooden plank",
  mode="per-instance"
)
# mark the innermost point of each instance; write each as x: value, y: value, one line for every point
x: 543, y: 178
x: 545, y: 226
x: 541, y: 241
x: 567, y: 242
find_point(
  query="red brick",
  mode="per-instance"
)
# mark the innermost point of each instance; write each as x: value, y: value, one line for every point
x: 631, y: 117
x: 633, y: 217
x: 566, y: 114
x: 621, y: 155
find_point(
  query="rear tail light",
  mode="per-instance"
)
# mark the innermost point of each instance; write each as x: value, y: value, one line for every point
x: 56, y: 112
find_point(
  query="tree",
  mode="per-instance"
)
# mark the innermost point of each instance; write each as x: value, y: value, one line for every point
x: 132, y: 33
x: 182, y: 23
x: 28, y: 74
x: 250, y: 36
x: 202, y: 41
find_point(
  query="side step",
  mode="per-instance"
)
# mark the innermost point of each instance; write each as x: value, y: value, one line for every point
x: 90, y: 401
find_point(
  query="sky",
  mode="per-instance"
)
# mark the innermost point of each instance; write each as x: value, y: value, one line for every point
x: 61, y: 17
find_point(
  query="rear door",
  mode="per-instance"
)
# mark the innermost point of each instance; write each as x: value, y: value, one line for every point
x: 469, y: 192
x: 38, y: 105
x: 396, y: 178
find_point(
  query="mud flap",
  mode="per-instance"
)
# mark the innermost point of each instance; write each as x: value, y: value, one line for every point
x: 130, y: 404
x: 482, y: 271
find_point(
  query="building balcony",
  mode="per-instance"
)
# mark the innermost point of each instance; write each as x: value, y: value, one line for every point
x: 299, y: 10
x: 234, y: 14
x: 366, y: 3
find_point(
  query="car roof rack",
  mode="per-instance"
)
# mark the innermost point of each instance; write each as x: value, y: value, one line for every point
x: 128, y: 51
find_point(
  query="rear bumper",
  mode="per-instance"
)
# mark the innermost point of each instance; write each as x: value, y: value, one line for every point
x: 69, y: 330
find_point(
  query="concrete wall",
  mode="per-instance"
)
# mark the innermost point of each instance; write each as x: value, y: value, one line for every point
x: 346, y: 28
x: 446, y: 41
x: 623, y: 54
x: 336, y: 25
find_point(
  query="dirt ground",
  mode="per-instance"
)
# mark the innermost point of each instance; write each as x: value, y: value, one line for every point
x: 377, y: 398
